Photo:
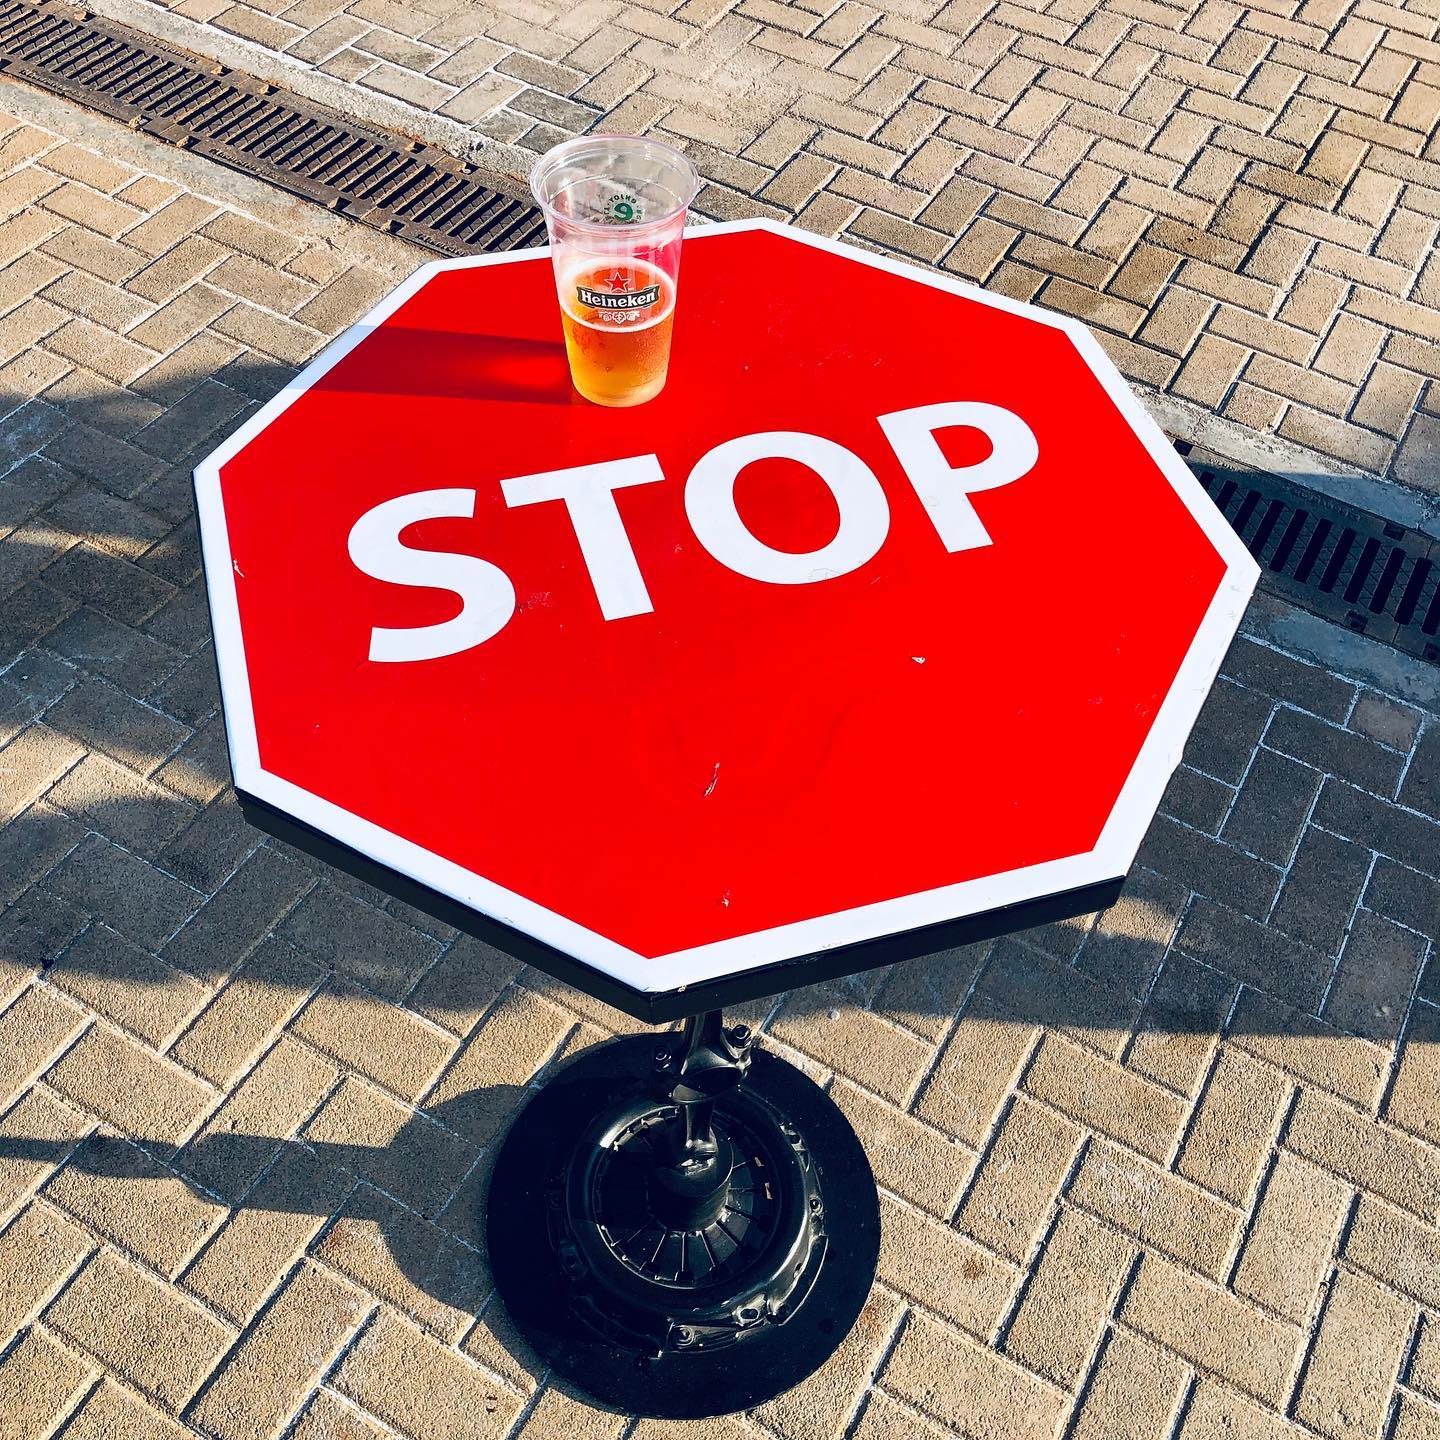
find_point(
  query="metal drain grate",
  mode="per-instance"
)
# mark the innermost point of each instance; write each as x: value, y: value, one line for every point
x: 1371, y: 575
x: 398, y: 185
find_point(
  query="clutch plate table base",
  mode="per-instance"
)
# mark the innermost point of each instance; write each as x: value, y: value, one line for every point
x: 683, y: 1225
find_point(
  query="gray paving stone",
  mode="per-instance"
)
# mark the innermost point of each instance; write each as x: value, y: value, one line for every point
x: 1321, y: 889
x: 1413, y: 840
x: 1421, y: 788
x: 1405, y: 895
x: 1271, y: 807
x: 1210, y: 866
x: 1334, y: 751
x: 1227, y: 731
x: 1283, y: 677
x: 1238, y: 945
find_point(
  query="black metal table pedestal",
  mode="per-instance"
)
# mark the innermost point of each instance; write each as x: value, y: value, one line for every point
x: 683, y: 1226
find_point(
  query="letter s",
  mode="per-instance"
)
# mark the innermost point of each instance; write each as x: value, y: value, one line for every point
x: 486, y: 594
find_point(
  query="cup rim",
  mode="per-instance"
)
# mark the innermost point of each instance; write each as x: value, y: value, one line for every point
x: 556, y: 153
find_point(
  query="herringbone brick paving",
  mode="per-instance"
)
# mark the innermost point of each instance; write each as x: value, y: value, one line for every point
x: 1243, y: 200
x: 1171, y: 1171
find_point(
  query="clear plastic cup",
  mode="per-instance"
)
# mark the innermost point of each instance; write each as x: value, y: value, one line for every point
x: 615, y: 208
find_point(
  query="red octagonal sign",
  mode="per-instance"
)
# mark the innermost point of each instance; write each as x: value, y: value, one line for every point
x: 894, y: 609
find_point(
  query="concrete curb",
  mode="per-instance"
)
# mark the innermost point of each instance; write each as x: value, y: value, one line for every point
x: 387, y: 254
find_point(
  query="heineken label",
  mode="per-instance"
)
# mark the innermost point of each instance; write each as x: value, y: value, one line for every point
x: 618, y: 299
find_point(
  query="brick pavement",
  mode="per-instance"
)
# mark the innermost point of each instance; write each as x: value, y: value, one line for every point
x: 1174, y: 1171
x: 1242, y: 200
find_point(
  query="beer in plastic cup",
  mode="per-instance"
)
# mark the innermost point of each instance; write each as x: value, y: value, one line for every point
x: 615, y: 208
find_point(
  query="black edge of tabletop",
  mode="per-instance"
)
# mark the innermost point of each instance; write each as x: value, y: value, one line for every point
x: 658, y: 1007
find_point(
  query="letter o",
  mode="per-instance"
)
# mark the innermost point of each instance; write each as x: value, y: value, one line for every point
x: 710, y: 506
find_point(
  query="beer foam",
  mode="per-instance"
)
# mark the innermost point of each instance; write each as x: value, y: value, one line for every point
x: 645, y: 273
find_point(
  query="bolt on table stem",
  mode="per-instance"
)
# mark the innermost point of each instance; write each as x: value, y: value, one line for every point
x: 709, y: 1061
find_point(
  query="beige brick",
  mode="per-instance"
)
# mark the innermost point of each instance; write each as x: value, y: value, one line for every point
x: 1349, y: 349
x: 462, y: 985
x: 1133, y: 1394
x: 173, y: 270
x: 559, y: 1416
x: 175, y: 222
x: 1212, y: 1329
x: 865, y: 1048
x: 1105, y: 1097
x: 244, y: 1017
x: 39, y: 1381
x: 266, y: 1377
x: 1390, y: 1245
x: 798, y: 181
x: 923, y: 1164
x: 270, y: 334
x: 416, y: 1267
x: 342, y: 300
x: 99, y: 350
x: 119, y: 1192
x: 34, y: 1032
x: 935, y: 1265
x: 128, y: 985
x: 1313, y: 301
x: 962, y: 1383
x: 402, y: 1152
x: 140, y: 1329
x: 1424, y: 1373
x: 1209, y: 370
x: 1387, y: 400
x: 1352, y: 1367
x: 112, y: 1413
x: 1068, y: 1298
x: 250, y: 237
x: 1219, y: 1414
x: 389, y: 1045
x: 130, y: 1086
x: 1358, y: 447
x: 1290, y: 1244
x: 276, y: 1097
x: 455, y: 1402
x: 1177, y: 320
x: 1019, y: 1178
x: 49, y: 1129
x: 980, y: 248
x: 1158, y: 1208
x: 977, y: 1068
x: 1108, y: 312
x: 108, y: 217
x: 1254, y: 408
x: 39, y: 1250
x: 91, y: 169
x: 1412, y: 1103
x: 261, y: 283
x: 925, y: 997
x: 190, y: 311
x: 826, y: 1403
x: 98, y: 300
x: 1308, y: 1049
x: 263, y: 1238
x: 518, y: 1037
x: 1234, y: 1126
x: 1414, y: 1421
x: 30, y: 764
x: 328, y: 1418
x: 883, y: 1419
x: 1372, y: 1156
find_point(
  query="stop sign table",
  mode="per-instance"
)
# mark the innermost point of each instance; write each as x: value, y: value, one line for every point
x: 882, y: 628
